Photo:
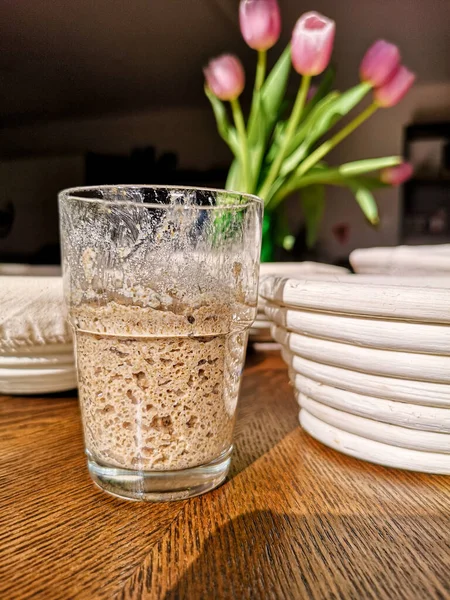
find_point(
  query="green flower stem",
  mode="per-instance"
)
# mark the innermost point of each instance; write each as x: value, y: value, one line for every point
x: 260, y: 69
x: 240, y: 126
x: 255, y: 117
x: 322, y: 150
x: 340, y: 176
x: 330, y: 177
x: 290, y: 130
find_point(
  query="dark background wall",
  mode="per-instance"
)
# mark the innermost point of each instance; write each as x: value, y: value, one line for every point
x: 109, y: 76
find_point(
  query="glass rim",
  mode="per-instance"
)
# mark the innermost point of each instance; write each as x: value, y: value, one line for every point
x: 71, y: 194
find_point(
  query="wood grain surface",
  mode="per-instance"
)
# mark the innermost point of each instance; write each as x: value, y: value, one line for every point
x: 294, y: 519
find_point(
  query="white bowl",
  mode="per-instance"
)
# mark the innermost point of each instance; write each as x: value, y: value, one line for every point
x: 422, y: 393
x: 372, y: 451
x: 18, y: 269
x: 395, y: 435
x: 262, y: 324
x: 403, y: 260
x: 384, y: 334
x: 413, y: 416
x: 369, y: 358
x: 416, y: 299
x: 38, y: 381
x: 403, y: 365
x: 294, y: 269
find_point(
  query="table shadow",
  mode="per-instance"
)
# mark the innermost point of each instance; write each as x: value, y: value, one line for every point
x: 236, y: 560
x: 262, y: 554
x: 267, y: 412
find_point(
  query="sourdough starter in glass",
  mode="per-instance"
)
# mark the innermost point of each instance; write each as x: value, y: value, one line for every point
x: 160, y: 393
x: 161, y: 286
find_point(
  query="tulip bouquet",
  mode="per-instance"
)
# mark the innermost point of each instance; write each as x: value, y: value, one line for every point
x: 279, y: 151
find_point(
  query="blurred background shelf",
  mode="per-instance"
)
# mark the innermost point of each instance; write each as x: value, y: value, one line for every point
x: 426, y: 196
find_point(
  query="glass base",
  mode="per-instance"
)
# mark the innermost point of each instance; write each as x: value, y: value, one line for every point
x: 160, y: 486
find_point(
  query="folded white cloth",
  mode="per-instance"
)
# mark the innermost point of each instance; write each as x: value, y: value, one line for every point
x: 32, y: 313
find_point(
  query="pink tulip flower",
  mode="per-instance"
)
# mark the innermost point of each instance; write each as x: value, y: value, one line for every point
x: 379, y: 63
x: 312, y: 43
x: 391, y: 92
x: 397, y: 175
x: 225, y: 77
x: 260, y: 22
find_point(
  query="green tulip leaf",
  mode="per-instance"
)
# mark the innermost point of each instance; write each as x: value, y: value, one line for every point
x: 313, y: 206
x: 274, y: 88
x: 257, y: 134
x: 301, y: 140
x: 265, y: 112
x: 371, y: 183
x: 346, y: 174
x: 278, y: 135
x: 328, y: 113
x: 233, y: 178
x: 275, y: 189
x: 368, y: 164
x: 226, y: 130
x: 342, y: 105
x: 296, y: 151
x: 307, y: 120
x: 257, y: 122
x: 322, y: 91
x: 367, y: 203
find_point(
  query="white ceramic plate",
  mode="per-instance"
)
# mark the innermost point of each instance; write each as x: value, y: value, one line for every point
x: 261, y: 316
x: 40, y: 351
x: 298, y: 268
x: 375, y: 452
x: 414, y: 416
x: 30, y: 270
x: 424, y: 393
x: 428, y: 441
x: 37, y: 362
x: 37, y: 381
x: 428, y: 338
x: 402, y: 260
x: 259, y: 324
x: 405, y: 365
x: 415, y: 299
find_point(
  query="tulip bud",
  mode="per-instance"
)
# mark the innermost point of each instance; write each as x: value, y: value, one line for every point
x: 260, y: 22
x: 397, y: 175
x: 312, y: 43
x: 225, y: 77
x: 395, y: 88
x: 311, y: 92
x: 379, y: 63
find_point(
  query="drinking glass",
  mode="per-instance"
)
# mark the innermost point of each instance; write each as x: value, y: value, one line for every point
x: 161, y: 286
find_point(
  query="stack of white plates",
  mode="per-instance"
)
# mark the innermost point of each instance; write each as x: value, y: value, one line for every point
x: 36, y: 352
x: 260, y: 330
x: 369, y: 358
x: 34, y: 270
x: 403, y: 260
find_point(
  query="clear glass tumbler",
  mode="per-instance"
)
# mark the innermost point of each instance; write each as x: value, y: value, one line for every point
x: 161, y: 286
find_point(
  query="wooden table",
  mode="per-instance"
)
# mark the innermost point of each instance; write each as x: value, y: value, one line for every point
x: 294, y: 519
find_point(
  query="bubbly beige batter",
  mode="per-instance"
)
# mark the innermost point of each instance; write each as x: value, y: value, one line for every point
x: 158, y: 389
